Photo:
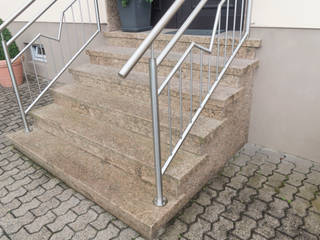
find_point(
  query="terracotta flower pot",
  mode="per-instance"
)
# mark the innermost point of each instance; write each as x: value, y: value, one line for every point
x: 5, y: 80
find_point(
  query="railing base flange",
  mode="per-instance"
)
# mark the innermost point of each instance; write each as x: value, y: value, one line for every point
x: 159, y: 202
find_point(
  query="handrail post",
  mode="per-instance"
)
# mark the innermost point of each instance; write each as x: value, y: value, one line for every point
x: 14, y: 83
x: 160, y: 200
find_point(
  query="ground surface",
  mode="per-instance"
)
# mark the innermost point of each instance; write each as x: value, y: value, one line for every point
x: 260, y: 194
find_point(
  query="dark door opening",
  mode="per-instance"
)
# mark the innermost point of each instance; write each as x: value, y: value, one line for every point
x: 205, y: 18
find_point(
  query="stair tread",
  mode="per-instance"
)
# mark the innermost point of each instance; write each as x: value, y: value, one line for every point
x: 164, y: 36
x: 115, y: 101
x: 238, y: 65
x: 125, y: 143
x: 221, y: 94
x: 123, y: 195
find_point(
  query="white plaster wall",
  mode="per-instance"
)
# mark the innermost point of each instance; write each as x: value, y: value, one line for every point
x: 7, y: 8
x: 286, y: 13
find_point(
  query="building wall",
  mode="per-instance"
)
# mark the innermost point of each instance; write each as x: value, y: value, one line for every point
x: 286, y: 13
x: 54, y: 13
x: 286, y: 102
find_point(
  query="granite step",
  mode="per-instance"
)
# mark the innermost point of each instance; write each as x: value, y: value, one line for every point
x: 136, y: 86
x: 117, y: 56
x: 135, y: 116
x: 123, y: 195
x: 126, y: 150
x: 119, y: 38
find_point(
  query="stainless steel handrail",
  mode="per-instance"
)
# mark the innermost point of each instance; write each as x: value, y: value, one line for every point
x: 154, y: 62
x: 58, y: 38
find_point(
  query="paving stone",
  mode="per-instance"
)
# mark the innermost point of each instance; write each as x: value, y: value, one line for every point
x: 246, y: 195
x: 218, y: 182
x: 197, y: 230
x: 273, y: 156
x: 39, y: 222
x: 312, y: 223
x: 174, y: 231
x: 109, y: 233
x: 45, y: 207
x: 5, y: 208
x: 301, y: 165
x: 276, y: 180
x: 285, y: 168
x: 102, y: 221
x: 230, y: 170
x: 241, y: 160
x: 256, y: 181
x: 12, y: 224
x: 220, y: 229
x: 82, y: 207
x: 313, y: 178
x: 87, y: 233
x: 97, y: 209
x: 256, y: 209
x: 267, y: 225
x: 51, y: 183
x: 277, y: 208
x: 190, y: 214
x: 287, y: 192
x: 226, y: 196
x: 249, y: 169
x: 296, y: 179
x: 238, y: 182
x: 6, y: 182
x: 257, y: 237
x: 50, y: 194
x: 25, y: 207
x: 212, y: 212
x: 303, y: 235
x: 65, y: 206
x: 282, y: 236
x: 83, y: 220
x: 66, y: 194
x: 127, y: 234
x: 31, y: 194
x: 259, y: 159
x: 307, y: 191
x: 61, y: 221
x: 244, y: 227
x: 234, y: 210
x: 204, y: 199
x: 299, y: 206
x: 266, y: 169
x: 119, y: 224
x: 65, y: 234
x: 290, y: 225
x: 42, y: 234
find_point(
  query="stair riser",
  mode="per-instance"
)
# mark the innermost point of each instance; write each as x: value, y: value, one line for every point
x: 193, y: 143
x: 214, y: 108
x: 116, y: 61
x: 181, y: 46
x: 109, y: 156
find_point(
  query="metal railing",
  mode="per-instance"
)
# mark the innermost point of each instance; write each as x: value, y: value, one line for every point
x: 74, y: 12
x: 235, y: 30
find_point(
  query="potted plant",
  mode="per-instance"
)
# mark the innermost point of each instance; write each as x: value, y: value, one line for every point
x: 135, y: 15
x: 13, y: 50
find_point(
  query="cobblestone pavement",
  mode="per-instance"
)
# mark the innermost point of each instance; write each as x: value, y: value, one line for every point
x: 260, y: 194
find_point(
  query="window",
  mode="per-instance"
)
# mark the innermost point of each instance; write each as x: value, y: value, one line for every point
x: 38, y: 53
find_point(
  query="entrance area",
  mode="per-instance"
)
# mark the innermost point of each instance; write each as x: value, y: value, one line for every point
x: 205, y: 18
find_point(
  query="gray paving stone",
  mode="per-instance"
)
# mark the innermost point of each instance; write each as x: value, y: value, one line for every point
x: 299, y: 206
x: 312, y: 223
x: 238, y: 182
x: 249, y: 169
x: 256, y: 209
x: 190, y: 214
x: 267, y: 225
x: 66, y: 206
x: 45, y: 207
x: 313, y: 177
x: 61, y: 221
x: 307, y: 191
x: 39, y: 222
x: 226, y: 196
x: 234, y: 210
x: 290, y: 225
x: 65, y: 234
x: 87, y: 233
x: 25, y: 207
x: 244, y: 227
x: 256, y: 181
x: 102, y: 221
x: 174, y: 231
x: 197, y: 230
x: 108, y: 233
x: 212, y: 212
x: 296, y: 179
x: 129, y: 234
x: 246, y: 194
x: 277, y: 208
x: 82, y: 221
x: 12, y: 224
x: 241, y: 160
x: 259, y: 159
x: 218, y: 182
x: 220, y: 229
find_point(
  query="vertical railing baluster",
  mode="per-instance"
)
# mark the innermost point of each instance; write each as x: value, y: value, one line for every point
x: 201, y: 59
x: 241, y: 18
x: 169, y: 118
x: 234, y: 23
x: 218, y: 53
x: 191, y: 85
x: 35, y: 68
x: 209, y: 71
x: 180, y: 100
x: 160, y: 200
x: 226, y: 33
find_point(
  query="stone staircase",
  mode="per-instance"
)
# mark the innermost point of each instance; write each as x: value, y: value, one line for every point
x: 97, y: 135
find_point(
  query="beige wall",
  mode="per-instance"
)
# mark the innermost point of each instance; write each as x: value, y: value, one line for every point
x: 54, y: 13
x: 286, y: 13
x: 286, y: 102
